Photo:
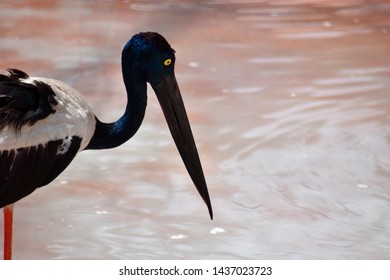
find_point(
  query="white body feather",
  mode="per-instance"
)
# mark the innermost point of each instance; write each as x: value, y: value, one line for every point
x: 73, y: 117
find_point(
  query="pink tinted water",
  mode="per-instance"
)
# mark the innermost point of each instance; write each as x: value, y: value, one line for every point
x: 289, y: 103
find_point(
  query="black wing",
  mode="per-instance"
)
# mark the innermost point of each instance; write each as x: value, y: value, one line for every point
x: 22, y: 103
x: 25, y: 169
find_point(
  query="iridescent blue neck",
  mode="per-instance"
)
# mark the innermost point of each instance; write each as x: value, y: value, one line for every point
x: 111, y: 135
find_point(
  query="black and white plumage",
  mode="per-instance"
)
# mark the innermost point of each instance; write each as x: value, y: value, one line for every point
x: 44, y: 123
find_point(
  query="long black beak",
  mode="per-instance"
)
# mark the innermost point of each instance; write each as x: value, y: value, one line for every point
x: 171, y: 102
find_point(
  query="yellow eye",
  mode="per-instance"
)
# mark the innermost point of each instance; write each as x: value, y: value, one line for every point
x: 167, y: 62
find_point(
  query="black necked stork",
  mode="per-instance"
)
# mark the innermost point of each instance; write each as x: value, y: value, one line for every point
x: 44, y: 123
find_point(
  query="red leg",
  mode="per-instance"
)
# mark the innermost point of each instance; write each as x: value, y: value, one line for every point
x: 8, y: 224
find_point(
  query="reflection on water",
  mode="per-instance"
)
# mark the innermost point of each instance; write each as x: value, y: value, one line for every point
x: 289, y: 102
